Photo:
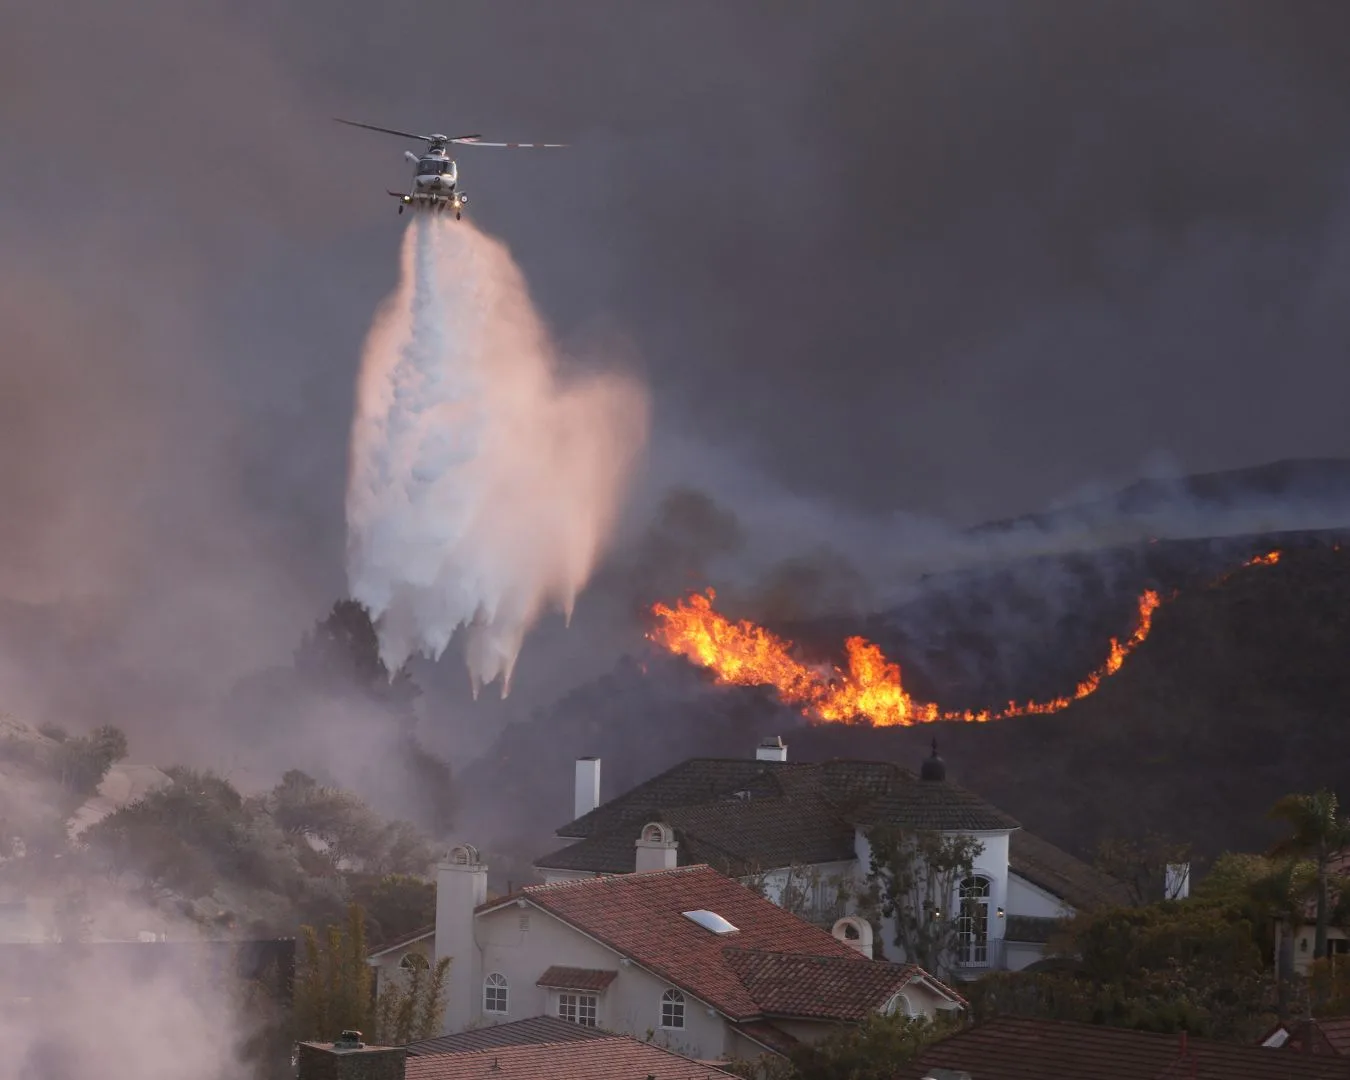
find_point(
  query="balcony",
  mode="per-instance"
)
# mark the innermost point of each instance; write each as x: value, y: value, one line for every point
x: 976, y: 958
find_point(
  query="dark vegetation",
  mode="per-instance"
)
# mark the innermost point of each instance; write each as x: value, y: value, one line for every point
x: 1237, y: 697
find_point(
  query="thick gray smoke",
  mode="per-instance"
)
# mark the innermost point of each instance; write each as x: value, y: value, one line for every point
x: 483, y: 485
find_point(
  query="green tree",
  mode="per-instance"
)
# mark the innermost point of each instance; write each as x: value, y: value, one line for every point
x: 1142, y: 865
x: 412, y: 1006
x: 342, y: 652
x: 396, y: 904
x: 334, y: 986
x: 915, y: 879
x: 1317, y: 832
x: 872, y: 1050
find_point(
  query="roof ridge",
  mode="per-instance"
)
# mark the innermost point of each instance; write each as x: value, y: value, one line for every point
x: 578, y: 882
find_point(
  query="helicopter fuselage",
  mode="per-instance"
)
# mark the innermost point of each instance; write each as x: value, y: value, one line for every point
x: 435, y: 184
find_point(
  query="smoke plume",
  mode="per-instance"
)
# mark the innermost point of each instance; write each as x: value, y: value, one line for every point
x: 483, y: 485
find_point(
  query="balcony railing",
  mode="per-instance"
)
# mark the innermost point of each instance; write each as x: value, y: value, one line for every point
x: 973, y: 958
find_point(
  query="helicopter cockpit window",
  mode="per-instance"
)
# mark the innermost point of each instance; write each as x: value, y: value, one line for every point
x: 432, y: 166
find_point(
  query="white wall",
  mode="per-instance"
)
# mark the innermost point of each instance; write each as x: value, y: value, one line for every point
x: 1019, y: 954
x: 1024, y: 898
x: 823, y: 880
x: 992, y: 863
x: 523, y: 950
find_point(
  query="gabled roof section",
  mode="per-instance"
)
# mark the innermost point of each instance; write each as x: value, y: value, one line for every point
x: 691, y: 782
x: 403, y: 942
x: 1023, y: 1049
x: 937, y: 805
x: 641, y: 916
x: 736, y: 836
x: 793, y: 986
x: 1081, y: 886
x: 1329, y: 1036
x: 548, y: 1047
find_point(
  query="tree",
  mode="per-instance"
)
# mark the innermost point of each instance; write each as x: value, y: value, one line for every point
x: 915, y: 877
x: 395, y: 904
x: 342, y: 652
x: 83, y: 762
x: 1142, y: 865
x: 1317, y: 832
x: 413, y: 1007
x: 334, y: 989
x: 333, y: 983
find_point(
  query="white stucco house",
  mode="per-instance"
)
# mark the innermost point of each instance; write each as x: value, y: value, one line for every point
x: 687, y: 957
x: 799, y: 832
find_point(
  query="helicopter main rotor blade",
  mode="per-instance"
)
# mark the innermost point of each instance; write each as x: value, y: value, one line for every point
x: 469, y: 140
x: 387, y: 131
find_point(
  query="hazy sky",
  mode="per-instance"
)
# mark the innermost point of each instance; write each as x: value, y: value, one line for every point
x: 939, y: 257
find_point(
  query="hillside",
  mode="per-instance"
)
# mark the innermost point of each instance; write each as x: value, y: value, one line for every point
x: 1239, y: 695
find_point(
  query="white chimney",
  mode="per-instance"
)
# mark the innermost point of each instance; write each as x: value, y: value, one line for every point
x: 588, y: 786
x: 1178, y: 881
x: 656, y: 849
x: 855, y: 932
x: 772, y: 748
x: 461, y: 885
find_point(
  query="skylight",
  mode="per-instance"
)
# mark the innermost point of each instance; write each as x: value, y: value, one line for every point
x: 710, y: 920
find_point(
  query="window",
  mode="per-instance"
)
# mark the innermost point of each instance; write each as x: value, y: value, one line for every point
x: 672, y: 1009
x: 494, y: 993
x: 414, y: 962
x: 577, y: 1009
x: 432, y: 166
x: 972, y: 925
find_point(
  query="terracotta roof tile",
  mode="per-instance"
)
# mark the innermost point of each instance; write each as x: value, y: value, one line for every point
x: 1328, y: 1036
x: 641, y: 916
x: 768, y: 1035
x: 575, y: 978
x: 792, y: 986
x: 547, y: 1047
x: 1021, y: 1049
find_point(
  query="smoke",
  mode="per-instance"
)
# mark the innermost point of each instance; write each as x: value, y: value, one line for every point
x: 483, y: 485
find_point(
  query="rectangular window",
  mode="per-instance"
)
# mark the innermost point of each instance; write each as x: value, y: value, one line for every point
x: 577, y: 1009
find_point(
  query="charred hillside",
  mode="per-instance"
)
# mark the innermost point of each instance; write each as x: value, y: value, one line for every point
x: 1238, y: 695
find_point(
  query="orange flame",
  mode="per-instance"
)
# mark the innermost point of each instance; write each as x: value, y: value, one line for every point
x: 870, y: 689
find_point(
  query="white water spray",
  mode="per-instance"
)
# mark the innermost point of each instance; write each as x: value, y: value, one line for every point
x: 482, y: 487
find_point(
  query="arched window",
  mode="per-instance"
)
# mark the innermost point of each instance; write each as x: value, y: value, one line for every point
x: 494, y: 993
x: 414, y: 961
x: 901, y: 1004
x: 972, y: 927
x: 672, y: 1009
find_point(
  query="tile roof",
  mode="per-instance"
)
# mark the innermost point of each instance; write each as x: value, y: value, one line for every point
x: 404, y: 941
x: 547, y: 1047
x: 575, y: 978
x: 933, y: 804
x: 641, y: 916
x: 792, y: 986
x: 1011, y: 1048
x: 1328, y: 1036
x: 768, y: 1035
x: 737, y: 836
x: 1080, y: 885
x: 536, y: 1031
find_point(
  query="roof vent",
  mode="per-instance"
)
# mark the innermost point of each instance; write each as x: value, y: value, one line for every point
x: 710, y: 920
x: 349, y: 1040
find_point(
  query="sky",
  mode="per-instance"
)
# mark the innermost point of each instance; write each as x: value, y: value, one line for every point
x: 949, y: 259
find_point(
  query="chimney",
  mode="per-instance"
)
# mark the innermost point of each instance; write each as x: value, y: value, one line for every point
x: 656, y: 848
x: 349, y: 1059
x: 588, y: 786
x: 461, y: 885
x: 855, y: 932
x: 771, y: 748
x: 1177, y: 881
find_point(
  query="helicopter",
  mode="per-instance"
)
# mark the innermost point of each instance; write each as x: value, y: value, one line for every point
x: 436, y: 182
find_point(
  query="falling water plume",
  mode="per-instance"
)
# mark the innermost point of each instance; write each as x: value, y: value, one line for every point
x: 483, y: 485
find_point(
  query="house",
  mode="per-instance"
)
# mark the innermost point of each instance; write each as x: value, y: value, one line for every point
x: 1295, y: 945
x: 1329, y: 1036
x: 1011, y: 1048
x: 799, y: 832
x: 394, y: 958
x: 521, y: 1050
x: 700, y: 963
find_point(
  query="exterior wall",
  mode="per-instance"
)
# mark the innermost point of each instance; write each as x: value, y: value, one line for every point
x: 552, y: 877
x: 521, y: 943
x: 1024, y: 898
x: 460, y: 887
x: 823, y: 882
x: 1306, y: 938
x: 1020, y: 954
x: 991, y: 863
x: 388, y: 966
